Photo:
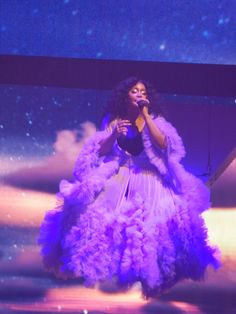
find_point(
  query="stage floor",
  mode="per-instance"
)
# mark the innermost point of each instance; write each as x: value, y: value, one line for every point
x: 26, y: 288
x: 200, y: 298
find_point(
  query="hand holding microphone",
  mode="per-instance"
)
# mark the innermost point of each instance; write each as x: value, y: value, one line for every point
x: 143, y: 105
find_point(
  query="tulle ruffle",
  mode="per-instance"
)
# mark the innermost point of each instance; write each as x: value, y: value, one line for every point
x: 89, y: 237
x: 128, y: 246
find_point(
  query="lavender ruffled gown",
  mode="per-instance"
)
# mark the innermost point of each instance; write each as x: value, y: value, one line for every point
x: 130, y: 218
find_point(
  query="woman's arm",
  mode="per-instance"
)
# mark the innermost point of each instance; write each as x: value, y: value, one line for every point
x: 157, y: 137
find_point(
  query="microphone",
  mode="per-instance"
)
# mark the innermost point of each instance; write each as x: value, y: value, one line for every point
x: 143, y: 103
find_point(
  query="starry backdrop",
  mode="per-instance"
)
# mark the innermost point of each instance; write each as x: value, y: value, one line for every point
x: 202, y: 31
x: 34, y: 114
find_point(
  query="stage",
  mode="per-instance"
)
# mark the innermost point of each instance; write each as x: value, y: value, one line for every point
x: 27, y: 288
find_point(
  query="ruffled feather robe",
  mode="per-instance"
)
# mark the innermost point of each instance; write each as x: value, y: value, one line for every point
x: 130, y: 218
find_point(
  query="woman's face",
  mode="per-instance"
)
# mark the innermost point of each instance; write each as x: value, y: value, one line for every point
x: 136, y: 93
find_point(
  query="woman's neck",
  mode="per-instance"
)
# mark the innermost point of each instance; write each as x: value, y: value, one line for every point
x: 132, y: 113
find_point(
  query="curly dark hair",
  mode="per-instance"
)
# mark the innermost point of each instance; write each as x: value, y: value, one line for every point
x: 116, y: 106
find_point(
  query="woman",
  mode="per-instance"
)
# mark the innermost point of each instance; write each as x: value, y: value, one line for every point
x: 133, y: 213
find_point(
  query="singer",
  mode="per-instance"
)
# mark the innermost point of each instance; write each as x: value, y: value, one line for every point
x: 132, y: 213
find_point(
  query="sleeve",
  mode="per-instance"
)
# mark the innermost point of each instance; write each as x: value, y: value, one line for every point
x: 90, y: 173
x: 89, y: 158
x: 163, y: 159
x: 175, y: 148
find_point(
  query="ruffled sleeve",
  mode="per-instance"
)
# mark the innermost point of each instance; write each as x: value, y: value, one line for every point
x: 91, y: 172
x: 89, y: 158
x: 175, y: 147
x: 163, y: 159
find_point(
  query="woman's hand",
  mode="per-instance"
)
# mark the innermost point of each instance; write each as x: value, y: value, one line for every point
x: 118, y: 127
x: 144, y: 112
x: 121, y: 127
